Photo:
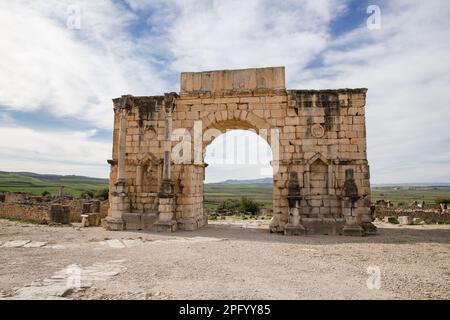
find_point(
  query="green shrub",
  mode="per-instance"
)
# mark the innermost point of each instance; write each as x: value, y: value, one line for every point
x: 229, y: 205
x: 442, y: 200
x: 239, y: 207
x: 248, y: 205
x: 87, y: 194
x: 45, y: 193
x: 102, y: 193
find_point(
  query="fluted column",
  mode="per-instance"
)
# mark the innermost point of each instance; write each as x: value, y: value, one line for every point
x: 166, y: 207
x: 118, y: 201
x: 122, y: 146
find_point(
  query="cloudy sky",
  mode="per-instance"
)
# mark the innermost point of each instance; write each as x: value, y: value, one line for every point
x: 61, y: 62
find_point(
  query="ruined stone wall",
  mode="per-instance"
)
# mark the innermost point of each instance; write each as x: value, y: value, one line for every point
x: 33, y: 210
x: 426, y: 215
x: 14, y: 196
x: 25, y: 212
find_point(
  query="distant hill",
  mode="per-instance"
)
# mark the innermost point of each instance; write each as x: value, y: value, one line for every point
x: 415, y: 184
x: 250, y: 181
x: 35, y: 183
x: 377, y: 185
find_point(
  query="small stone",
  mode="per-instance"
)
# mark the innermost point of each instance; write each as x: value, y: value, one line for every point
x: 58, y: 247
x: 132, y: 242
x: 405, y: 220
x: 35, y: 244
x: 115, y: 243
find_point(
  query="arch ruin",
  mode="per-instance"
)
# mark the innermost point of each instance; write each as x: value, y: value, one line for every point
x: 318, y: 140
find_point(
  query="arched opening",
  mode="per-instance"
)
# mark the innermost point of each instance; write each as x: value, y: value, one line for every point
x: 238, y: 181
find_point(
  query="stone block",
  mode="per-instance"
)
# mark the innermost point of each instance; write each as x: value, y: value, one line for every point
x: 59, y: 214
x: 132, y: 220
x: 94, y: 219
x: 405, y: 220
x: 390, y: 219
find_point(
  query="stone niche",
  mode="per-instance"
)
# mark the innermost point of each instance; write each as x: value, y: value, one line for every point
x: 318, y: 138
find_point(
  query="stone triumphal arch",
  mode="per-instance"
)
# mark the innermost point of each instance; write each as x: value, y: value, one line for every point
x: 318, y: 140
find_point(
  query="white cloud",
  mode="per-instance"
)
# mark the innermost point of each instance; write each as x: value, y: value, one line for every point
x: 75, y: 73
x: 24, y: 149
x: 406, y: 66
x: 210, y: 35
x: 44, y: 64
x: 238, y: 154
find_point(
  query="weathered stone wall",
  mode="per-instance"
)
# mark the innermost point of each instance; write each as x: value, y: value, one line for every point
x: 14, y: 196
x: 29, y: 209
x: 426, y: 215
x: 26, y: 212
x: 316, y: 135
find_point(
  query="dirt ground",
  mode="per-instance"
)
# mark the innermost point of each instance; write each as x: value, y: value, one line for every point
x: 226, y: 260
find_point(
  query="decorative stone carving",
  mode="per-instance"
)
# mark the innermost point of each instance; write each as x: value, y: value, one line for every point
x: 294, y: 227
x: 317, y: 131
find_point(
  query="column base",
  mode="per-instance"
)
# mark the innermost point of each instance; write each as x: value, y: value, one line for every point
x: 113, y: 224
x: 291, y: 230
x: 133, y: 221
x: 353, y: 230
x: 169, y: 226
x: 369, y: 228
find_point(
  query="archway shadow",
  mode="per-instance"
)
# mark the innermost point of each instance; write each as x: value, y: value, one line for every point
x: 386, y: 234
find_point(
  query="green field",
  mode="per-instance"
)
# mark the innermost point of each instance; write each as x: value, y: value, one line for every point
x: 407, y: 195
x: 35, y: 184
x: 218, y: 192
x: 214, y: 192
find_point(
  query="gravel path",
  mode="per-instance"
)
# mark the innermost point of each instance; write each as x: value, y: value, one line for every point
x: 226, y: 260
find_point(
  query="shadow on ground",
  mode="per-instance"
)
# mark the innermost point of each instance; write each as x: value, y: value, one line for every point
x: 389, y: 234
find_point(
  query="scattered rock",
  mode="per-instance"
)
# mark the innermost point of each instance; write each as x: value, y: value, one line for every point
x: 132, y: 242
x: 58, y: 247
x: 405, y: 220
x: 115, y: 243
x: 63, y: 283
x: 35, y: 244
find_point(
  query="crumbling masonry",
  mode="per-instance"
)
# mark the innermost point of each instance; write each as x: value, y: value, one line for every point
x: 318, y: 140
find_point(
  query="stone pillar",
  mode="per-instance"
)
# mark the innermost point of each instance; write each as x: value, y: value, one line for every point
x: 166, y: 207
x: 119, y: 203
x: 58, y: 213
x: 349, y: 201
x: 122, y: 146
x: 294, y: 227
x: 138, y: 176
x: 61, y: 191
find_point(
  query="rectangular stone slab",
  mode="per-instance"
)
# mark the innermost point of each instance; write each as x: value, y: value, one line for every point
x: 35, y: 244
x: 15, y: 243
x: 243, y: 79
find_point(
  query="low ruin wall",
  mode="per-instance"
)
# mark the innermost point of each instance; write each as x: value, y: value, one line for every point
x: 36, y: 213
x: 426, y: 215
x: 29, y: 210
